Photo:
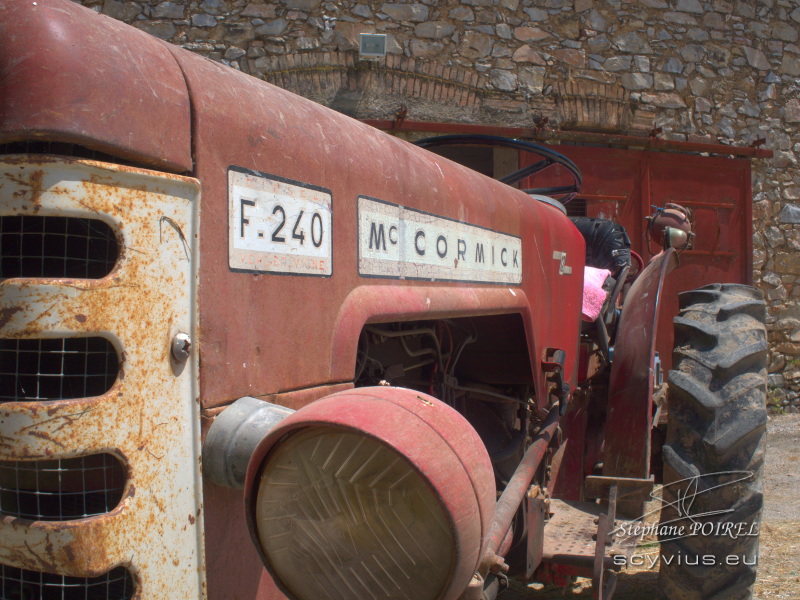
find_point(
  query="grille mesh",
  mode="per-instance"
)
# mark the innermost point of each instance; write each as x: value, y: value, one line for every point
x: 59, y: 247
x: 60, y: 490
x: 576, y: 207
x: 20, y: 584
x: 56, y: 369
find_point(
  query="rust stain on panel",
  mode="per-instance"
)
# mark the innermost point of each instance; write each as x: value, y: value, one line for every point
x: 30, y: 187
x: 148, y: 419
x: 7, y: 313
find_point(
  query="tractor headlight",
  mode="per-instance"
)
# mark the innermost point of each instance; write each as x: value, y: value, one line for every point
x: 377, y: 493
x: 358, y: 513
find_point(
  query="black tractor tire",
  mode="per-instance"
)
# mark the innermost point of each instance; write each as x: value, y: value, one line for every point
x: 714, y: 450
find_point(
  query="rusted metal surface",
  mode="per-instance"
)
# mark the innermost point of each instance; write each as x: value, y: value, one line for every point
x: 69, y: 74
x: 517, y: 487
x: 440, y: 444
x: 255, y: 333
x: 567, y: 466
x: 150, y: 417
x: 537, y: 514
x: 570, y: 537
x: 604, y: 582
x: 296, y: 399
x: 546, y: 135
x: 629, y: 418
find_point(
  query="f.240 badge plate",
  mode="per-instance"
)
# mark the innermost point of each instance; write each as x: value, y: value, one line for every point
x: 277, y: 225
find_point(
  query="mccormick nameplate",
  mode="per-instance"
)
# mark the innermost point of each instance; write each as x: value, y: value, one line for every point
x: 403, y: 243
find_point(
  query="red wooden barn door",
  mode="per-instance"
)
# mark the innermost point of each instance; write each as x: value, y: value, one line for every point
x: 623, y: 185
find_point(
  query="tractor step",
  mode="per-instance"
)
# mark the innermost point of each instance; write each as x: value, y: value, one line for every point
x: 570, y: 536
x: 629, y: 489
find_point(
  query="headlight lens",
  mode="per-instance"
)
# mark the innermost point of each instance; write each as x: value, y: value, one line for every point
x: 358, y: 513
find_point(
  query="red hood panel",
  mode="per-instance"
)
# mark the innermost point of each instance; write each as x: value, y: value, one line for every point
x: 68, y: 74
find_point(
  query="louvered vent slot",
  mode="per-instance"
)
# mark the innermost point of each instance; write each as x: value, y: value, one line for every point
x: 61, y: 490
x: 20, y: 584
x: 60, y: 247
x: 56, y: 369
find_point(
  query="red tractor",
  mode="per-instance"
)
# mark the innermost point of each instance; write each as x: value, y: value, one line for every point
x: 252, y: 348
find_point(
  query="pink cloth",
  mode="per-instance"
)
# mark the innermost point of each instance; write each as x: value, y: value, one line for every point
x: 593, y: 293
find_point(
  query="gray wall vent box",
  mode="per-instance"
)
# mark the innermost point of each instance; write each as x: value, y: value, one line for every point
x: 373, y: 45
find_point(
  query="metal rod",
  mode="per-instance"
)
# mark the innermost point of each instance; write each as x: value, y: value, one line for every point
x: 572, y: 136
x: 488, y: 393
x: 517, y: 487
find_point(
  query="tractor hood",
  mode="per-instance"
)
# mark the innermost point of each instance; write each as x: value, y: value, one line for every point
x: 298, y: 201
x: 130, y: 99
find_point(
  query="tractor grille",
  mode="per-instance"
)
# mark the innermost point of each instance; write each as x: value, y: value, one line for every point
x: 20, y: 584
x: 61, y: 490
x: 78, y: 259
x: 56, y: 369
x: 58, y: 247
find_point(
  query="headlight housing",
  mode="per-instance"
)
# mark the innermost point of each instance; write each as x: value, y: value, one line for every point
x: 372, y: 493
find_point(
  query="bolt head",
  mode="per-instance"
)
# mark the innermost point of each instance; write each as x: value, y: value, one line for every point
x: 181, y: 347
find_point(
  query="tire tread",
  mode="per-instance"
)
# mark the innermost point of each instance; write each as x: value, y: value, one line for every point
x: 717, y: 423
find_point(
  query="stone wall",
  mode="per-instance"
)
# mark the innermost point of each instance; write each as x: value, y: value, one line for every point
x: 720, y: 71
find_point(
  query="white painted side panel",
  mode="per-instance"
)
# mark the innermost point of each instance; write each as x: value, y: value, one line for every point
x: 278, y: 226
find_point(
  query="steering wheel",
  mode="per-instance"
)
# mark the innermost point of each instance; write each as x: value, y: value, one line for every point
x: 563, y: 193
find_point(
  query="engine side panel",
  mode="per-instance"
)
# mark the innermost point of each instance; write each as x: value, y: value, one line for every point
x: 257, y: 328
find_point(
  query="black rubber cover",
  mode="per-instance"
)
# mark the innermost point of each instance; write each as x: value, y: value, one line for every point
x: 607, y: 243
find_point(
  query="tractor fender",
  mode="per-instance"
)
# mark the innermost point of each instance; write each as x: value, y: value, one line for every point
x: 382, y: 303
x: 630, y: 396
